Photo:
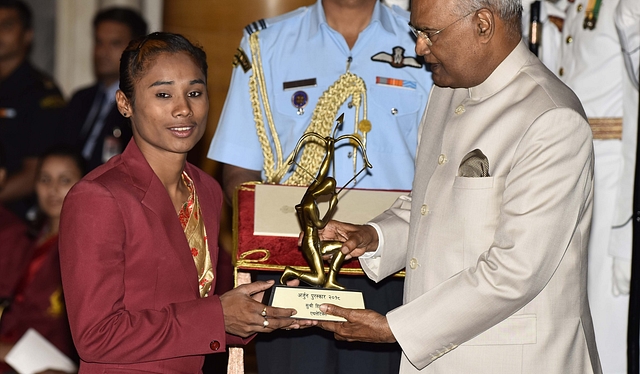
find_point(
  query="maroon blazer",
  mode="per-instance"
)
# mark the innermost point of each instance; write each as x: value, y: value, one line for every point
x: 15, y: 250
x: 38, y: 302
x: 129, y: 279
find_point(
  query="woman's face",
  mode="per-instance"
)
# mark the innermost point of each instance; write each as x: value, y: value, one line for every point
x: 171, y: 105
x: 56, y: 176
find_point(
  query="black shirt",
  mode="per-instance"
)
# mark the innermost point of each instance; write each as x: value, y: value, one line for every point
x: 30, y: 117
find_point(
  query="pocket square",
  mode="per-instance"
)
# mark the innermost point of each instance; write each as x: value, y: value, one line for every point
x: 474, y: 165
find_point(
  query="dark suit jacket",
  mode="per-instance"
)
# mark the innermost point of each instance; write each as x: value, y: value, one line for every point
x: 76, y: 114
x: 130, y: 282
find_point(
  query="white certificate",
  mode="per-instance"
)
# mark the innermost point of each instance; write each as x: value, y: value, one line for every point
x: 275, y: 213
x: 33, y: 354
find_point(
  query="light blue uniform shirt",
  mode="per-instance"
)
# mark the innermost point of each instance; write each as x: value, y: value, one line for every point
x: 301, y: 45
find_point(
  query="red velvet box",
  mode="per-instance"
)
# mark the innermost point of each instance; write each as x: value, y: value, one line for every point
x: 269, y: 253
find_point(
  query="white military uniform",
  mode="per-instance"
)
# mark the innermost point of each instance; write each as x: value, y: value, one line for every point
x: 628, y: 25
x: 591, y: 63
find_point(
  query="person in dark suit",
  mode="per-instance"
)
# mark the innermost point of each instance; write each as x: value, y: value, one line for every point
x: 100, y: 130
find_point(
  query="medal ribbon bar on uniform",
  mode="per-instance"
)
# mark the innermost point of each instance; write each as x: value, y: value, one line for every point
x: 396, y: 82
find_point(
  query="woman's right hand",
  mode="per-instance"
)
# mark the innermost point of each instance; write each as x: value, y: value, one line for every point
x: 243, y: 314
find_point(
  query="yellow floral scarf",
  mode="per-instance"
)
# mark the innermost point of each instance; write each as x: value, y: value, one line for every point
x: 191, y: 219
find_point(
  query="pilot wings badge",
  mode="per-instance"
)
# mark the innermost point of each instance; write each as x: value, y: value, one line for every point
x: 397, y: 59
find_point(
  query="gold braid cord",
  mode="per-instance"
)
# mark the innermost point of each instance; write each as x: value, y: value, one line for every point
x: 256, y: 82
x: 322, y: 120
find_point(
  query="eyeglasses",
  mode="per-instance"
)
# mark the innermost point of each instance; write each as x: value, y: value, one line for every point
x: 427, y: 36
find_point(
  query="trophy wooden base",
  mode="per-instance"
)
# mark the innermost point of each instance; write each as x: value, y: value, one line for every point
x: 307, y: 300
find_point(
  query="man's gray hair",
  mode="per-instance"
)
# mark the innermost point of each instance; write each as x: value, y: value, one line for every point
x: 510, y: 11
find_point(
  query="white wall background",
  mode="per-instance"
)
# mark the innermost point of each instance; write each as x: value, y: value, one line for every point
x: 44, y: 14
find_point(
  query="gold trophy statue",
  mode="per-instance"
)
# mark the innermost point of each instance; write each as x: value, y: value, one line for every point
x: 307, y: 300
x: 313, y: 249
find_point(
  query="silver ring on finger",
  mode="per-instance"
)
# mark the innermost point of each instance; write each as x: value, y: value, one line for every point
x: 265, y: 323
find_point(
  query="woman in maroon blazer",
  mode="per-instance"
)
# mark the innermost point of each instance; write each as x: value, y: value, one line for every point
x: 139, y: 234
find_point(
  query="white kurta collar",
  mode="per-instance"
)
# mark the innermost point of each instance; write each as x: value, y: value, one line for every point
x: 503, y: 74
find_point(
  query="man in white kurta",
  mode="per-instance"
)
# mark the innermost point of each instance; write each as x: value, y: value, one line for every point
x: 496, y: 266
x: 494, y: 245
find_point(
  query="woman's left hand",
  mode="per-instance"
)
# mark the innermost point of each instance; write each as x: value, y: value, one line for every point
x: 244, y: 315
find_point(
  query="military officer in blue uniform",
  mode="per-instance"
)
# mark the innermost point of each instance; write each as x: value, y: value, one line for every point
x: 297, y: 73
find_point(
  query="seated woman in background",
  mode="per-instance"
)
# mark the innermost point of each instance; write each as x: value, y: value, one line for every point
x: 139, y: 234
x: 35, y: 294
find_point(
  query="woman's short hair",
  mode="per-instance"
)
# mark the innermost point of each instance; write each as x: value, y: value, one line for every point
x: 140, y: 52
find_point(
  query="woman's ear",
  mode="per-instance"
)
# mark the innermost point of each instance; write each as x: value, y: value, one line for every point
x: 124, y: 106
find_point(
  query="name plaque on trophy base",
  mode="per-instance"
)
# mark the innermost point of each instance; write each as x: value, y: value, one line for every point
x: 307, y: 300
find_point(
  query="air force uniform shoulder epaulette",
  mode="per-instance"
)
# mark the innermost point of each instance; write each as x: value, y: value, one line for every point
x: 241, y: 58
x: 258, y: 25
